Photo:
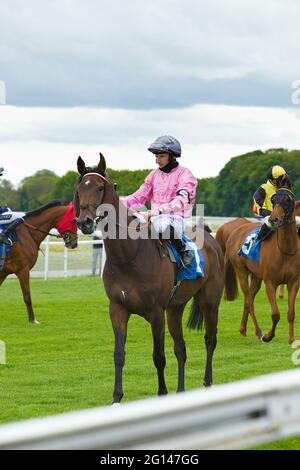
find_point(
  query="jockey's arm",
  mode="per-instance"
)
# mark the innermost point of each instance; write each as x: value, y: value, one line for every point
x: 259, y: 199
x: 185, y: 194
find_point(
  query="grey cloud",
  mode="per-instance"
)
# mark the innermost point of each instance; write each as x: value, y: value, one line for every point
x: 144, y: 55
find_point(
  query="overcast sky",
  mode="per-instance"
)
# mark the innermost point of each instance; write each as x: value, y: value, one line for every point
x: 89, y: 76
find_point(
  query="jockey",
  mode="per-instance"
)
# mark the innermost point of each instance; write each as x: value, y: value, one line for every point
x: 7, y: 217
x: 264, y: 197
x: 2, y: 209
x: 171, y: 188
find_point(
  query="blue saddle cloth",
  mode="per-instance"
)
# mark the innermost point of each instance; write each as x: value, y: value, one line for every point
x: 251, y: 248
x: 4, y: 246
x: 196, y: 269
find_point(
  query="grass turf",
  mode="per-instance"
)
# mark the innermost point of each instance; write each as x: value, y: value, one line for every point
x: 66, y: 362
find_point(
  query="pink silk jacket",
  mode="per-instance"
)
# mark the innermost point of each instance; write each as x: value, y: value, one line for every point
x: 171, y: 193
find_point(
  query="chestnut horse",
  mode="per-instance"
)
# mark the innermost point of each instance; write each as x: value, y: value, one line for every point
x: 139, y: 279
x: 29, y: 236
x: 279, y: 264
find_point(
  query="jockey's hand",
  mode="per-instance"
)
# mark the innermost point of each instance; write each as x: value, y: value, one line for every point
x: 152, y: 213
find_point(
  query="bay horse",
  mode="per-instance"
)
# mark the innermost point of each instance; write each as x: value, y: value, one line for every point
x: 138, y: 279
x: 279, y: 264
x: 29, y: 236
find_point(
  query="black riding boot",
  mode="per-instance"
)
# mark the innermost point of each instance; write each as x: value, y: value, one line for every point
x: 263, y: 233
x: 186, y: 256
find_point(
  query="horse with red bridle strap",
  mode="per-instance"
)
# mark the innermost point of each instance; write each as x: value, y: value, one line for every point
x: 28, y: 238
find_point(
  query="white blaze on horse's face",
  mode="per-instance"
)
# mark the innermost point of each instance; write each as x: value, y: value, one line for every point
x: 87, y: 182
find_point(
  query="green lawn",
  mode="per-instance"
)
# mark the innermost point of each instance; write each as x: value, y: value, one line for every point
x: 66, y: 362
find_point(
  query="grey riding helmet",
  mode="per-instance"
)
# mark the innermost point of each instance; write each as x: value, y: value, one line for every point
x: 166, y: 144
x: 1, y: 171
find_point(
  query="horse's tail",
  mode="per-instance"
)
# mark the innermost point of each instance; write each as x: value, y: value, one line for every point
x: 195, y: 320
x: 231, y: 285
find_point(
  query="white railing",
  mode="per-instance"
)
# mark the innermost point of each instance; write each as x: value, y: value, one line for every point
x: 231, y: 416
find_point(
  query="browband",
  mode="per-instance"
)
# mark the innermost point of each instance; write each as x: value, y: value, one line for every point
x: 93, y: 173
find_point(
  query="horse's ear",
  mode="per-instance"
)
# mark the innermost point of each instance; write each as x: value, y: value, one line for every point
x: 76, y: 204
x: 81, y: 166
x: 102, y: 164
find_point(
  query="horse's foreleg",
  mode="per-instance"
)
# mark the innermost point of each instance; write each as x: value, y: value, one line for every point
x: 293, y: 287
x: 174, y: 317
x: 157, y: 321
x: 119, y: 319
x: 23, y: 277
x: 271, y: 292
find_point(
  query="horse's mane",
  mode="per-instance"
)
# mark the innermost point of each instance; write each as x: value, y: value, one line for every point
x: 41, y: 209
x: 91, y: 169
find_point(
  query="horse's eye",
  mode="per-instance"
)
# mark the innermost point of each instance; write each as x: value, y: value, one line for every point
x: 100, y: 188
x: 74, y: 222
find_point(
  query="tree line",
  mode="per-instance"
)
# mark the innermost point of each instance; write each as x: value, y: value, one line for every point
x: 228, y: 194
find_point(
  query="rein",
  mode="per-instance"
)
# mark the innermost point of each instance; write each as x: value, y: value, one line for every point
x: 42, y: 231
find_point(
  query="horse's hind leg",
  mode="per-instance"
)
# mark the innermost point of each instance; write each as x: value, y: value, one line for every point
x: 293, y: 287
x: 174, y: 317
x: 157, y: 321
x: 119, y: 319
x: 23, y: 277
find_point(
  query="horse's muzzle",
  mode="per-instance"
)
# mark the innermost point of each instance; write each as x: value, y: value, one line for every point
x: 86, y: 225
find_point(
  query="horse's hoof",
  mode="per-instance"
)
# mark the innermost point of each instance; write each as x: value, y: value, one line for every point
x: 243, y: 332
x: 36, y: 322
x: 116, y: 404
x: 266, y: 338
x: 291, y: 340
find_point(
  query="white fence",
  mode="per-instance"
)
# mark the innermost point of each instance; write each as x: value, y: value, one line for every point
x: 231, y: 416
x: 57, y: 261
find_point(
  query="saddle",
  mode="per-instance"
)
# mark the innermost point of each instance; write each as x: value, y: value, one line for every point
x: 7, y: 237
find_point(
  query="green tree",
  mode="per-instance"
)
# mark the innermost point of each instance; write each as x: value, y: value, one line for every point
x: 36, y: 190
x: 8, y: 195
x: 64, y: 187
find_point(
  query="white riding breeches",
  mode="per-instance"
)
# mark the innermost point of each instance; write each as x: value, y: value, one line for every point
x: 163, y: 221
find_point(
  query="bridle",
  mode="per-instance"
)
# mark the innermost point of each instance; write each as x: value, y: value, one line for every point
x: 286, y: 220
x: 66, y: 236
